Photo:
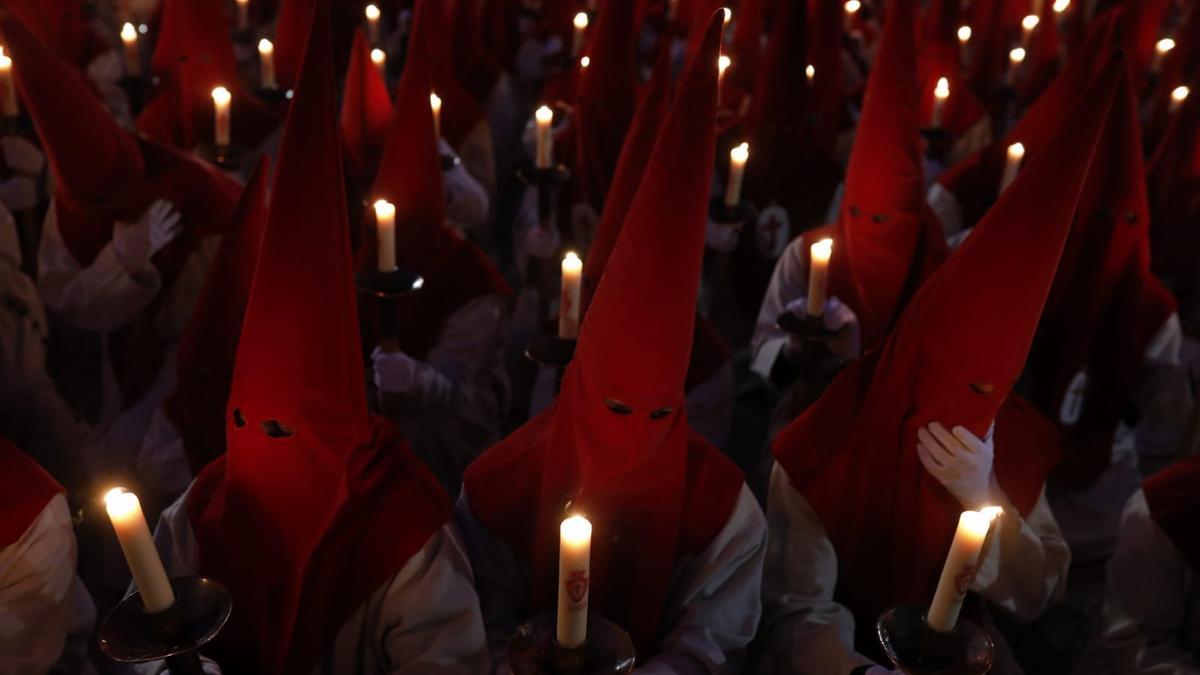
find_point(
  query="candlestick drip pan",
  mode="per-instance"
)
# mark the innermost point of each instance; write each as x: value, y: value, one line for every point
x: 551, y: 351
x: 131, y: 635
x: 532, y: 650
x: 917, y: 649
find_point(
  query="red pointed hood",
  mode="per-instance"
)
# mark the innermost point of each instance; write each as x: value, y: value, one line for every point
x: 954, y: 357
x: 745, y: 52
x: 886, y: 241
x: 616, y: 445
x: 309, y: 480
x: 940, y: 56
x: 605, y: 100
x: 824, y: 54
x: 366, y: 110
x: 291, y: 34
x: 462, y: 114
x: 27, y: 489
x: 63, y: 26
x: 475, y: 68
x: 206, y: 353
x: 193, y: 30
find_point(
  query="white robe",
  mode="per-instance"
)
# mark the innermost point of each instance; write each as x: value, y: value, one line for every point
x: 712, y: 608
x: 104, y: 297
x: 46, y: 615
x: 806, y: 632
x: 423, y: 620
x: 1150, y: 617
x: 461, y: 392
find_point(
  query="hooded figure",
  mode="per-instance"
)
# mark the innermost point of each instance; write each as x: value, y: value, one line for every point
x: 193, y: 56
x: 188, y: 431
x: 126, y: 241
x: 1151, y: 612
x: 677, y: 543
x: 870, y: 481
x: 48, y: 614
x: 447, y: 385
x: 310, y: 480
x: 366, y: 112
x: 886, y: 240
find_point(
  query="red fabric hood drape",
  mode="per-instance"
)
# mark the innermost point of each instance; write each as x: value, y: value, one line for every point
x: 1174, y: 499
x: 954, y: 356
x: 653, y: 489
x: 25, y: 490
x: 366, y: 113
x: 310, y: 480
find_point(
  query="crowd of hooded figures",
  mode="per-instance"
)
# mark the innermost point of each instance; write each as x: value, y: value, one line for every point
x: 692, y: 336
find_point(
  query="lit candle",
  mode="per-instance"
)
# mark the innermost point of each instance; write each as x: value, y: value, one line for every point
x: 133, y: 58
x: 221, y: 98
x: 545, y: 142
x: 581, y: 24
x: 385, y: 232
x: 8, y: 87
x: 585, y: 62
x: 435, y: 103
x: 852, y: 7
x: 372, y: 13
x: 1161, y: 48
x: 1060, y: 8
x: 568, y: 306
x: 940, y: 93
x: 379, y: 58
x: 243, y: 14
x: 959, y: 569
x: 1178, y: 96
x: 1015, y: 58
x: 574, y: 568
x: 810, y: 72
x: 125, y: 512
x: 722, y: 65
x: 818, y: 273
x: 1016, y: 153
x: 738, y: 157
x: 266, y: 63
x: 1028, y: 25
x: 964, y: 41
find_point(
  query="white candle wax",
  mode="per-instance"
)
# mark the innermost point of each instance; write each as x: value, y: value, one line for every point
x: 818, y: 275
x: 133, y: 58
x: 581, y: 24
x: 568, y: 305
x: 1012, y: 164
x: 723, y: 62
x: 435, y: 104
x: 738, y: 157
x: 1015, y: 58
x: 266, y: 63
x: 243, y: 14
x: 851, y: 7
x: 1178, y: 96
x: 574, y: 577
x: 221, y: 100
x: 125, y: 512
x: 1028, y: 26
x: 940, y: 93
x: 545, y: 142
x: 385, y: 231
x: 372, y: 13
x: 959, y: 569
x: 8, y: 88
x: 809, y: 73
x: 964, y: 45
x: 1161, y: 49
x: 379, y: 58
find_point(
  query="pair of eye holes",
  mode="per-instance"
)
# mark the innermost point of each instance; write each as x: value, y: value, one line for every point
x: 623, y: 409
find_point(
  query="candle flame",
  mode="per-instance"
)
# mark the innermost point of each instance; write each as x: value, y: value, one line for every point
x: 585, y: 62
x: 722, y: 63
x: 942, y: 90
x: 128, y: 33
x: 991, y: 512
x: 1029, y: 22
x: 576, y: 530
x: 119, y: 503
x: 822, y: 250
x: 964, y: 33
x: 544, y: 114
x: 581, y: 20
x: 852, y: 6
x: 810, y: 71
x: 5, y: 62
x: 372, y: 13
x: 265, y: 47
x: 571, y: 257
x: 1061, y: 6
x: 378, y: 57
x: 1164, y: 45
x: 1016, y: 151
x: 435, y: 101
x: 221, y: 95
x: 740, y: 153
x: 728, y: 14
x: 1017, y: 55
x: 1180, y: 94
x: 384, y: 208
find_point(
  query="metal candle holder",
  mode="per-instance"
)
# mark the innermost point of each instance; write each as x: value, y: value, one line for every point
x: 131, y: 635
x: 736, y: 216
x: 938, y: 142
x: 917, y: 649
x: 533, y: 649
x: 135, y: 88
x: 545, y: 180
x: 227, y: 157
x: 551, y: 351
x: 272, y: 95
x: 386, y: 288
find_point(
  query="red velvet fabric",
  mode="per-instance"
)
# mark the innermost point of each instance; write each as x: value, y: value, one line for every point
x: 1173, y: 495
x: 366, y: 115
x: 279, y: 515
x: 63, y: 26
x: 653, y: 490
x: 25, y: 490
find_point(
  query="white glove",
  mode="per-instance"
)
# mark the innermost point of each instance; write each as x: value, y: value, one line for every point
x: 722, y: 238
x: 22, y: 156
x: 959, y: 460
x: 395, y: 372
x: 136, y: 243
x: 837, y: 316
x: 19, y: 193
x: 541, y: 242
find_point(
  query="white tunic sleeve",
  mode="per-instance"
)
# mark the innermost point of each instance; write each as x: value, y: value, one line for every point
x: 805, y: 631
x: 789, y: 281
x: 103, y: 296
x: 1150, y: 622
x: 37, y: 581
x: 466, y: 199
x: 162, y: 460
x: 715, y: 605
